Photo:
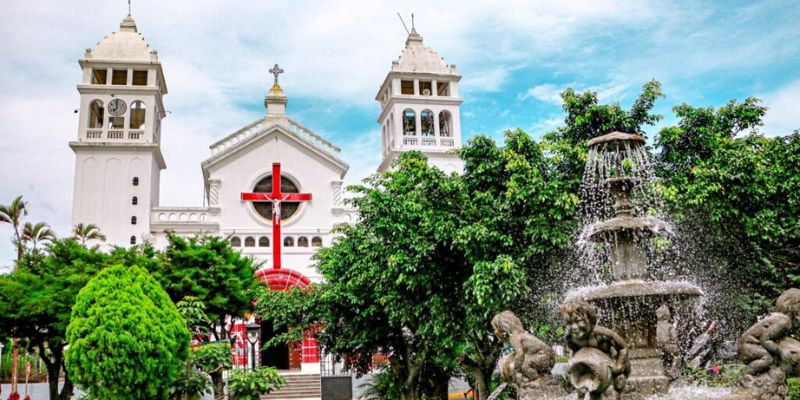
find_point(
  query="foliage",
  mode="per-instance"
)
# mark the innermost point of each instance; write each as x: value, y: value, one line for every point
x: 723, y: 375
x: 85, y: 233
x: 740, y: 192
x: 252, y: 384
x: 794, y: 388
x: 191, y: 383
x: 211, y: 357
x: 127, y: 340
x: 36, y: 301
x: 293, y: 309
x: 193, y: 312
x: 377, y: 271
x: 381, y: 386
x: 12, y: 214
x: 208, y: 269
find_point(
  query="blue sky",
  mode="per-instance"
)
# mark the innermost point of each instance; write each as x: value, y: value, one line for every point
x: 515, y: 57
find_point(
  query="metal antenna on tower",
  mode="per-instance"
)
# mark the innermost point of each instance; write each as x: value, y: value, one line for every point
x: 401, y: 21
x: 412, y: 20
x: 129, y: 7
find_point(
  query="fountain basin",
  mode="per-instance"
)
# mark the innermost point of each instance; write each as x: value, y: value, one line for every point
x: 635, y: 288
x: 616, y: 136
x: 623, y: 225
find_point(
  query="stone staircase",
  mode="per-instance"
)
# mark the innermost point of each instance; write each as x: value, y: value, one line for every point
x: 297, y: 387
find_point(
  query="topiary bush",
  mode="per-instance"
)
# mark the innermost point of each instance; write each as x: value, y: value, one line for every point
x: 126, y: 338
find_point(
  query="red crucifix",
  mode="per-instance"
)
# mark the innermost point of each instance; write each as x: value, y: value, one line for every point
x: 276, y: 197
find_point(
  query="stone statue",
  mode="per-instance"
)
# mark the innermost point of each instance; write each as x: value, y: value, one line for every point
x: 599, y: 365
x: 528, y: 367
x: 768, y: 352
x: 667, y: 342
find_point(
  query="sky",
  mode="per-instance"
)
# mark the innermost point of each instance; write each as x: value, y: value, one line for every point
x: 515, y: 57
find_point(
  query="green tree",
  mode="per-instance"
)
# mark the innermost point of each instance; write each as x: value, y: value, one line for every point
x: 36, y: 234
x: 392, y: 280
x: 127, y: 340
x: 208, y: 269
x: 739, y: 193
x: 12, y: 214
x: 85, y: 233
x: 36, y: 302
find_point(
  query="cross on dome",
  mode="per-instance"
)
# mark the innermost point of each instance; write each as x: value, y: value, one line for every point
x: 275, y: 71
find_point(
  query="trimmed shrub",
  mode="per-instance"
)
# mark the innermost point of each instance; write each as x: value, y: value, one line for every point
x: 127, y: 340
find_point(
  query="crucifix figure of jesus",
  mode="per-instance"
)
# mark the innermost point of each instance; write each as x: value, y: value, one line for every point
x: 275, y: 71
x: 276, y: 197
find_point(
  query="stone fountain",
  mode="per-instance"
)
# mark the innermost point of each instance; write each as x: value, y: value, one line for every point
x: 617, y: 186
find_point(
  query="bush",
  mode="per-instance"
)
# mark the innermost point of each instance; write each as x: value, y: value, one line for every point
x: 794, y: 388
x: 191, y: 384
x: 251, y: 384
x: 127, y: 340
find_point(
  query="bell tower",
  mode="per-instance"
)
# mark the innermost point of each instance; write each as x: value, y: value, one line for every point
x: 118, y: 158
x: 420, y: 107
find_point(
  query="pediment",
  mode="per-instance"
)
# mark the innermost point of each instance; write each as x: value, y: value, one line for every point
x: 252, y: 136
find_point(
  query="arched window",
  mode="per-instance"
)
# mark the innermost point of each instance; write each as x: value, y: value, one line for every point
x: 249, y: 242
x: 133, y: 220
x: 409, y: 123
x: 135, y: 200
x: 426, y: 122
x: 236, y: 242
x: 302, y: 241
x: 135, y: 181
x: 133, y: 239
x: 263, y: 241
x: 316, y: 241
x: 137, y: 115
x: 445, y: 124
x: 288, y: 241
x: 96, y: 114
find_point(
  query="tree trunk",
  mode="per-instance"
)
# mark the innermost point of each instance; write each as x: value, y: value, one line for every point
x: 67, y: 390
x: 481, y: 384
x: 14, y: 362
x: 219, y: 385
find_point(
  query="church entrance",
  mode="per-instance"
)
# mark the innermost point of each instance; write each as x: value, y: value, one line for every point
x: 282, y: 357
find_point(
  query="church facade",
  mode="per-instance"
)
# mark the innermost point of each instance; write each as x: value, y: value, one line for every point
x: 273, y: 187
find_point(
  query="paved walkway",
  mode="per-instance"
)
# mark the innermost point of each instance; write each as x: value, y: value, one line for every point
x: 41, y: 391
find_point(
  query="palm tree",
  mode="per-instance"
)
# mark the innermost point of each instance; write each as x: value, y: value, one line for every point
x: 87, y: 232
x: 37, y: 233
x: 12, y: 214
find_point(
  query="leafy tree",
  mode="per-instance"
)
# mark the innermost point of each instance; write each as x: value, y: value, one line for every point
x: 213, y: 359
x: 737, y: 191
x: 208, y: 269
x: 36, y: 234
x: 85, y: 233
x: 12, y: 214
x: 36, y: 302
x: 379, y: 271
x: 194, y: 312
x: 127, y: 340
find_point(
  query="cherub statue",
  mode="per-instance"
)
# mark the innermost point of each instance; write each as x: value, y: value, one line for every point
x: 531, y: 360
x: 764, y: 350
x: 667, y: 342
x: 582, y: 332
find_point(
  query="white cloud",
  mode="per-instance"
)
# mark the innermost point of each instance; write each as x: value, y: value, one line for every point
x: 783, y: 109
x: 551, y: 93
x: 547, y: 93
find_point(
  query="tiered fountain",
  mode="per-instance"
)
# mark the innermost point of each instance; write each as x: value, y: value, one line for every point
x: 617, y: 180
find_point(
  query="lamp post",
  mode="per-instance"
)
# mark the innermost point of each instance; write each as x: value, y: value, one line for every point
x: 253, y: 334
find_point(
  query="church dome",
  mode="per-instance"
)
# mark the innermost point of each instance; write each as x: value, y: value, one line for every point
x: 418, y: 58
x: 125, y: 45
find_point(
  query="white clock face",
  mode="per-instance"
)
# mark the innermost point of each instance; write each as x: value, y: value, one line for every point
x: 117, y: 107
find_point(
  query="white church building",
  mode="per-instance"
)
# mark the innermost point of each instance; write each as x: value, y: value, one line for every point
x: 118, y: 158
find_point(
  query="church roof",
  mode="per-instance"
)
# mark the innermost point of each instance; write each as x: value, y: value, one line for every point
x: 264, y: 126
x: 125, y: 45
x: 418, y: 58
